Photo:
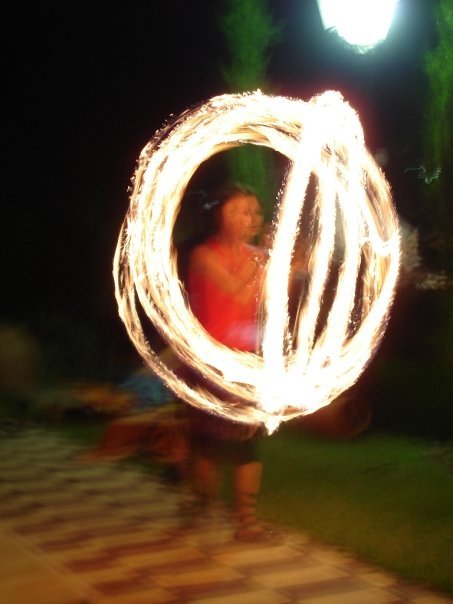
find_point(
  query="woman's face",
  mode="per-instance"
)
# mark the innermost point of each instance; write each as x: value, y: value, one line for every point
x: 238, y: 219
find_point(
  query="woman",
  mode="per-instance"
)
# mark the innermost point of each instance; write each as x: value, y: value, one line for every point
x: 224, y: 283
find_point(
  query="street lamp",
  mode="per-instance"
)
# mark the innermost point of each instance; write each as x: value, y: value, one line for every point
x: 361, y: 23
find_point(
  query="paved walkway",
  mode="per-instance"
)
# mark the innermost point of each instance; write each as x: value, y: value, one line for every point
x: 72, y: 533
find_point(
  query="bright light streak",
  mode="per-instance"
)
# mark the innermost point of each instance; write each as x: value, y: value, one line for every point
x: 361, y: 23
x: 296, y: 373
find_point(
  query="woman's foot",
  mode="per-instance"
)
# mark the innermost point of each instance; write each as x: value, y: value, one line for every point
x: 255, y: 532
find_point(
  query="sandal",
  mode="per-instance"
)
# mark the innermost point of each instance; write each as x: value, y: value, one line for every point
x: 255, y: 533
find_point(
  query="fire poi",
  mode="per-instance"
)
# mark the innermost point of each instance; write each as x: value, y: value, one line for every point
x: 296, y: 371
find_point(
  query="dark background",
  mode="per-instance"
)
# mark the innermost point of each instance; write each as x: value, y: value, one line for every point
x: 86, y: 87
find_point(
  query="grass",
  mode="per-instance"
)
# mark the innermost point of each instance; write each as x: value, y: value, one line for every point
x: 387, y: 499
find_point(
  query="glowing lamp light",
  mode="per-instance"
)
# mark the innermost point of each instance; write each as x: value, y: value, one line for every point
x: 361, y: 23
x: 299, y: 371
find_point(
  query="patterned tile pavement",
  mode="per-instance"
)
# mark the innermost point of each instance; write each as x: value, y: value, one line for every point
x: 100, y: 533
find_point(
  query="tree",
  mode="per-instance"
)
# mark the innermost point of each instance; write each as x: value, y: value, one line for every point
x: 249, y: 31
x: 438, y: 148
x: 437, y: 135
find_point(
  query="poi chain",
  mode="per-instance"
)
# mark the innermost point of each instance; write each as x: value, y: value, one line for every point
x: 295, y: 373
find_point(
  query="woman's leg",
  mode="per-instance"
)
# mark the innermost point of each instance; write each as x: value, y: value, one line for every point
x: 246, y: 485
x: 247, y: 474
x: 203, y: 480
x: 206, y: 477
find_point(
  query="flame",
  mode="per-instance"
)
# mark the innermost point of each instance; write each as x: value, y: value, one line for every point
x: 295, y: 372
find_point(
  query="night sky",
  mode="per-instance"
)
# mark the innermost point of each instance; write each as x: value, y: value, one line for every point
x: 86, y: 88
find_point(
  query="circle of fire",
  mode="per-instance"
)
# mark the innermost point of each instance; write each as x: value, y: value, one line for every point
x: 294, y: 373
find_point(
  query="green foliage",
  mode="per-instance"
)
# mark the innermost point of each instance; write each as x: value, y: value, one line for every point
x: 250, y: 32
x: 255, y: 166
x: 437, y: 135
x: 439, y: 69
x: 438, y: 150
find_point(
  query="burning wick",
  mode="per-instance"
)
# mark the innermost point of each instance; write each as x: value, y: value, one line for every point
x: 295, y: 372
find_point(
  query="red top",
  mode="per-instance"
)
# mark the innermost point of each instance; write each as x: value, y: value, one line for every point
x: 224, y: 318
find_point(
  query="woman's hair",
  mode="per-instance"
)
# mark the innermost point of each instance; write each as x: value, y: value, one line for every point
x: 208, y: 210
x: 213, y: 205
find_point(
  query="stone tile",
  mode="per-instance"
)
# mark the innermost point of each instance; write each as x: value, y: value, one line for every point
x: 162, y: 557
x: 432, y: 599
x: 367, y: 596
x: 257, y: 554
x: 41, y: 587
x: 87, y: 551
x: 262, y: 567
x: 194, y: 565
x: 150, y: 595
x: 207, y: 538
x: 298, y: 576
x: 146, y: 546
x: 14, y: 560
x: 92, y: 576
x: 329, y: 556
x: 89, y: 523
x: 43, y: 523
x: 26, y: 576
x: 117, y: 586
x: 343, y: 585
x: 124, y: 534
x: 212, y: 575
x: 406, y: 590
x: 378, y: 578
x: 117, y: 529
x: 65, y: 542
x: 261, y: 596
x: 214, y: 589
x: 98, y: 561
x: 13, y: 512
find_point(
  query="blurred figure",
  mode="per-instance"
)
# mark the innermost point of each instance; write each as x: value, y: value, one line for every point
x: 147, y: 390
x: 153, y: 425
x: 20, y: 375
x: 224, y: 284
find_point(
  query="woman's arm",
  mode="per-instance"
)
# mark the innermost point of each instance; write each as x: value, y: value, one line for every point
x: 206, y: 261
